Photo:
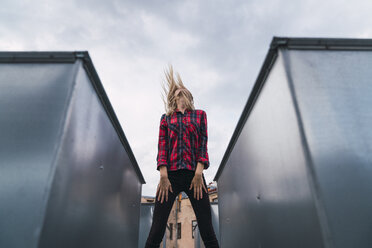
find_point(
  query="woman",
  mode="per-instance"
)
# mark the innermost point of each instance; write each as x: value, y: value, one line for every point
x: 182, y: 157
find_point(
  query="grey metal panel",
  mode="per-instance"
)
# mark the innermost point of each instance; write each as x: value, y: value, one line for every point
x: 334, y: 95
x: 198, y: 242
x: 321, y: 44
x: 96, y: 193
x: 265, y: 199
x: 44, y: 57
x: 68, y: 176
x: 33, y: 98
x: 297, y: 171
x: 147, y: 211
x: 215, y: 222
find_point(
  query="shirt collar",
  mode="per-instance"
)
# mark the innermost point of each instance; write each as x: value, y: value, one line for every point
x: 177, y: 110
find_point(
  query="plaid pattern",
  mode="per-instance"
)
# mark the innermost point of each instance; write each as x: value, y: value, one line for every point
x: 183, y: 140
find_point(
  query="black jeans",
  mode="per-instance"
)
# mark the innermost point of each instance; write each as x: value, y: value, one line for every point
x: 181, y: 181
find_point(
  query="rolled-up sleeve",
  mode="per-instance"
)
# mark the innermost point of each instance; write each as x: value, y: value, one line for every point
x: 203, y: 141
x: 162, y: 157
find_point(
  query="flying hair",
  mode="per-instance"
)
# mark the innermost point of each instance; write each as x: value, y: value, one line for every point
x: 173, y: 87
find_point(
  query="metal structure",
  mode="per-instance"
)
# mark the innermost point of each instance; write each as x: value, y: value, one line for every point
x: 215, y: 222
x: 68, y: 177
x: 147, y: 210
x: 297, y: 171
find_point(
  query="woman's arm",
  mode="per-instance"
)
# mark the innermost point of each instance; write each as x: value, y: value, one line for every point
x: 163, y: 171
x: 202, y: 159
x: 202, y: 155
x: 199, y: 169
x: 164, y: 185
x: 197, y: 182
x: 162, y: 157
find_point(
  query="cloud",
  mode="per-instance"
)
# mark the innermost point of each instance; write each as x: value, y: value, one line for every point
x: 218, y: 48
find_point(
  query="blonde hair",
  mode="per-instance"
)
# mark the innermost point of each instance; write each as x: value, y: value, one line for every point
x: 170, y: 103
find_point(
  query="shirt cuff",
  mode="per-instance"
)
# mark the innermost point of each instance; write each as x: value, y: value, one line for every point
x: 204, y: 161
x: 160, y: 164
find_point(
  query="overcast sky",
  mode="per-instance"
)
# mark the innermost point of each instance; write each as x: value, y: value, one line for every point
x: 218, y: 48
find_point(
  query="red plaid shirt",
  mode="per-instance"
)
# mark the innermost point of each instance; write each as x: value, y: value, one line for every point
x: 183, y: 140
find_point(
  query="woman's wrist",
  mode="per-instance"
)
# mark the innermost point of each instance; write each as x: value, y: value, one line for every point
x: 198, y: 174
x: 199, y: 169
x: 163, y: 171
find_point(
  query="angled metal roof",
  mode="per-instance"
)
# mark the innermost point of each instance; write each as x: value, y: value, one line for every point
x: 71, y: 57
x: 294, y: 44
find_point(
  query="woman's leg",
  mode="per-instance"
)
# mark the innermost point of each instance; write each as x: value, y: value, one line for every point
x: 202, y: 209
x: 160, y: 216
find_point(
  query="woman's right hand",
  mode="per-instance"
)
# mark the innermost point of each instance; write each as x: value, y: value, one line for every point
x: 163, y: 187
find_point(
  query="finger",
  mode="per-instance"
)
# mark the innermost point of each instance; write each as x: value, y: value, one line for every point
x: 206, y: 191
x: 197, y: 193
x: 194, y: 192
x: 162, y: 197
x: 166, y: 195
x: 171, y: 188
x: 201, y: 192
x: 157, y: 193
x: 191, y: 185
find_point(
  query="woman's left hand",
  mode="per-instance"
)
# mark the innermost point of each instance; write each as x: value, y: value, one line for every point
x: 198, y: 185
